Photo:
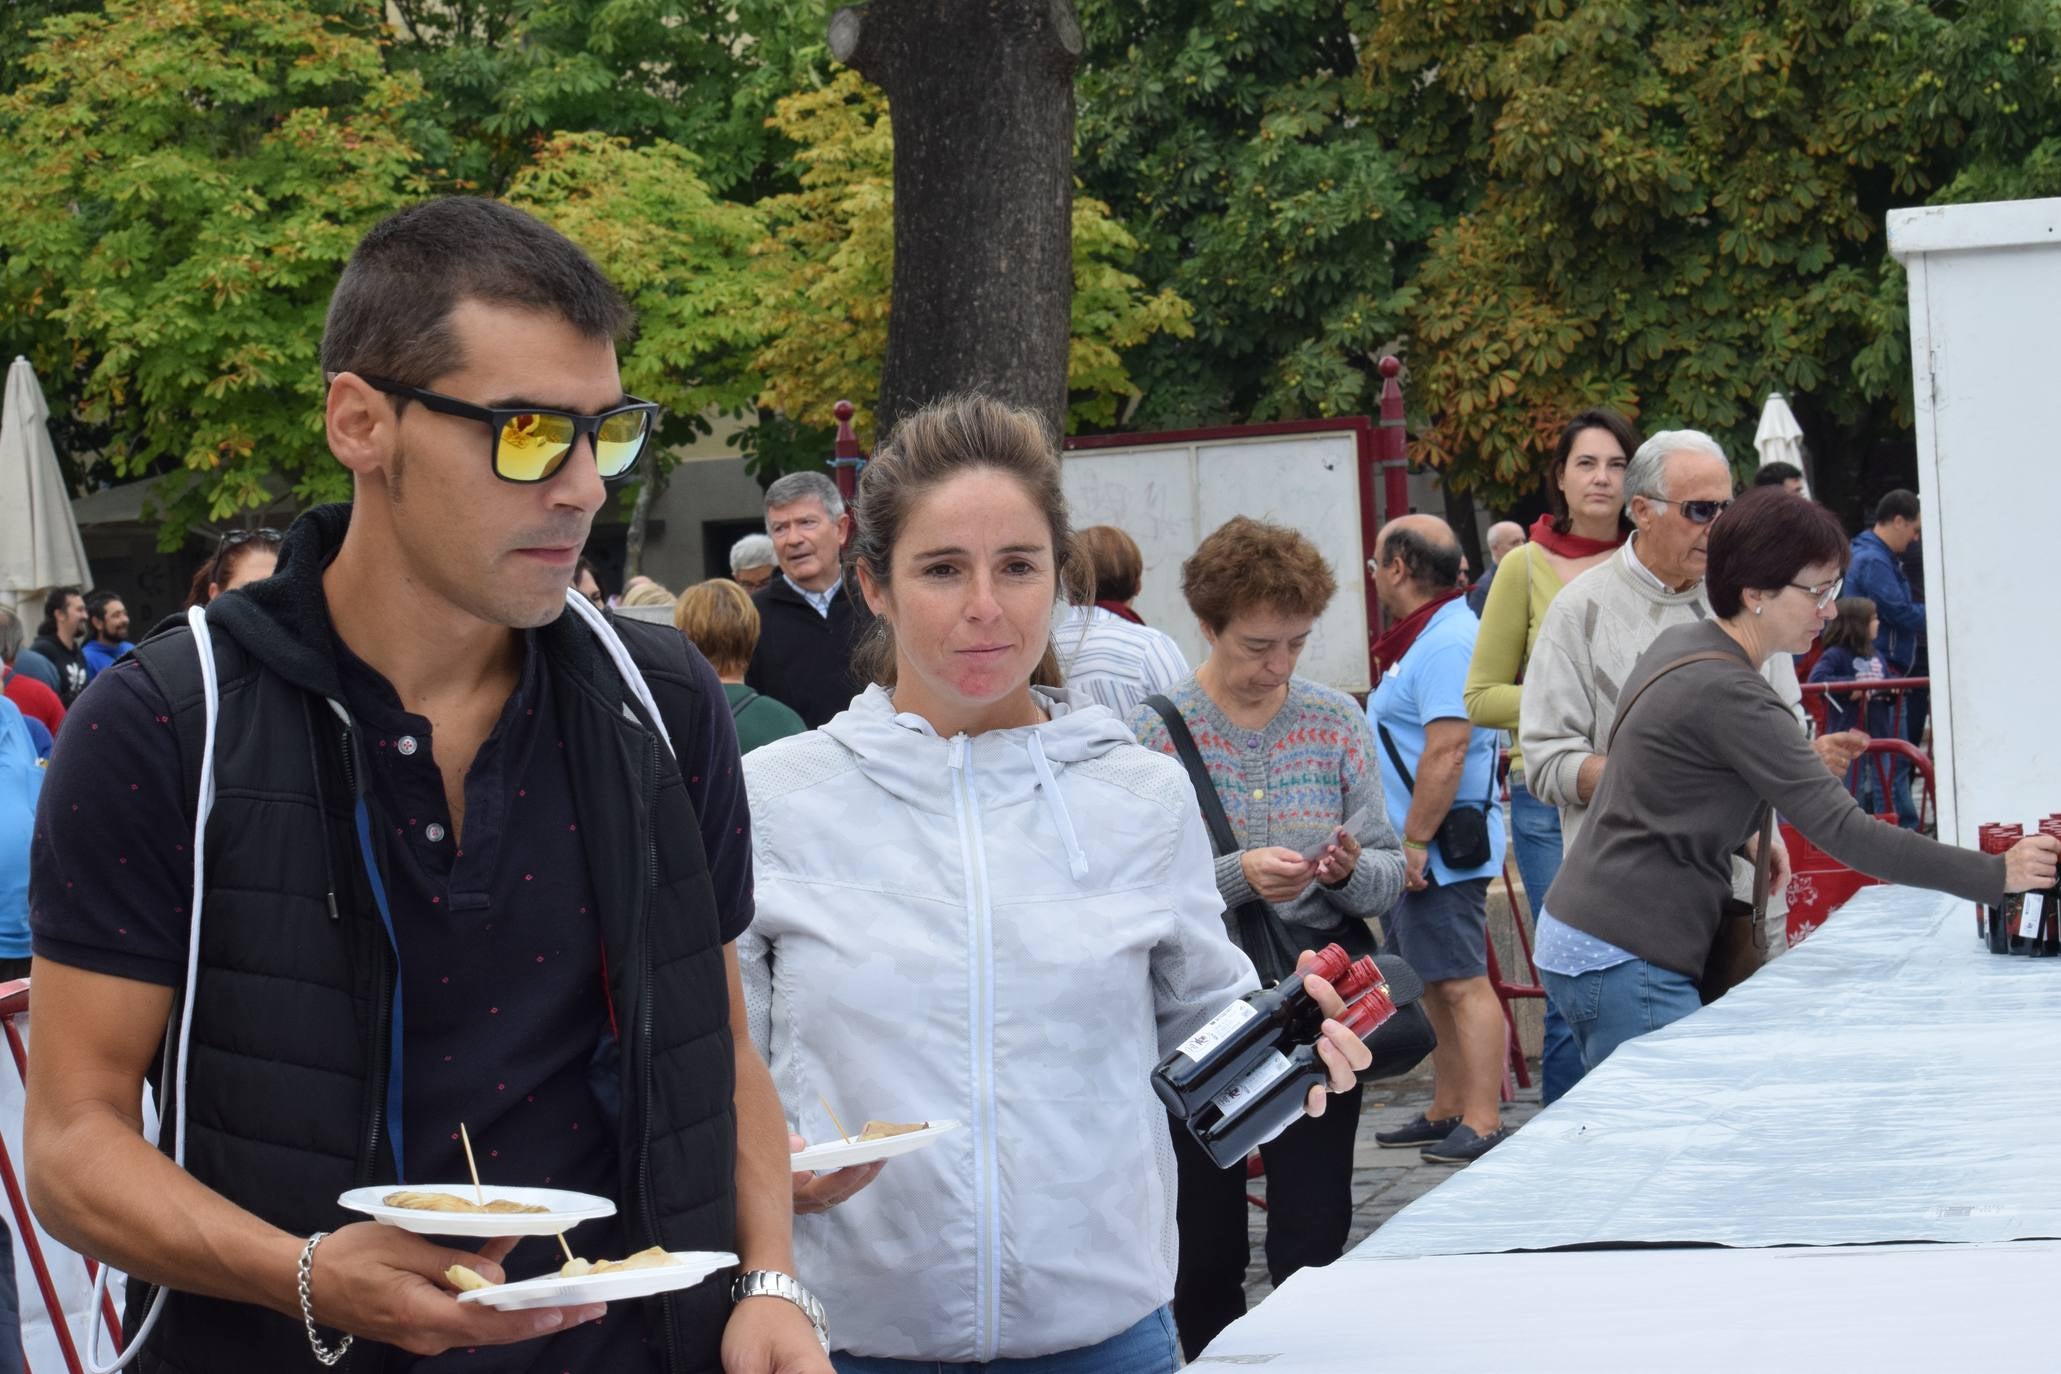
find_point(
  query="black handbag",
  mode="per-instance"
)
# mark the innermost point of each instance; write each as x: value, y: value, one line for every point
x: 1463, y: 836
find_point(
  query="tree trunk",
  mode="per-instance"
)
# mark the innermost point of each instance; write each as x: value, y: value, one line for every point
x: 981, y: 97
x: 1460, y: 515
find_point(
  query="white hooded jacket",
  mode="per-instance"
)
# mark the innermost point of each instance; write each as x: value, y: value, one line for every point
x: 1008, y: 930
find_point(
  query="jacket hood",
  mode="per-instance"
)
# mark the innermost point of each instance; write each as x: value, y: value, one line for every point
x: 902, y: 754
x: 284, y: 620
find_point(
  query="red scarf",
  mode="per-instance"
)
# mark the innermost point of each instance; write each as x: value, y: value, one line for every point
x: 1548, y: 537
x: 1390, y: 648
x: 1120, y: 609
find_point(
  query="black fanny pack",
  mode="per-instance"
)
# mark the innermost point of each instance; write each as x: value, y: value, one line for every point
x: 1463, y: 837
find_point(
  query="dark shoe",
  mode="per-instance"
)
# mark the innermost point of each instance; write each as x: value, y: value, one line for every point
x: 1422, y: 1131
x: 1463, y: 1146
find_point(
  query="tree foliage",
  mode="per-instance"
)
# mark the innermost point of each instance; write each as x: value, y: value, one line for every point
x: 831, y: 256
x: 190, y: 178
x: 194, y: 174
x: 700, y: 74
x: 1676, y: 209
x: 1232, y: 137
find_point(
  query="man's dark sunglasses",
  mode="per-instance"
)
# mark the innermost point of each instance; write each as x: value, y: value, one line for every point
x: 1696, y: 512
x: 531, y: 445
x: 232, y: 538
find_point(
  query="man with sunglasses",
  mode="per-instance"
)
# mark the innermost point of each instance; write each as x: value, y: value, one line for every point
x: 456, y: 875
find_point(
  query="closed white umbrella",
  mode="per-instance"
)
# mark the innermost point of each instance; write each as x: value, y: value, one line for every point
x: 39, y: 541
x: 1780, y: 438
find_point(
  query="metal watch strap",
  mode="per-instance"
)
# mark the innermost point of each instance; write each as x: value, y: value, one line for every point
x: 771, y: 1283
x: 307, y: 1270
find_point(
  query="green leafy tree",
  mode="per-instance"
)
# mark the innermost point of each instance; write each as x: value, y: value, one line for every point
x: 701, y: 74
x: 189, y: 179
x: 1232, y: 138
x: 831, y: 257
x: 1677, y: 209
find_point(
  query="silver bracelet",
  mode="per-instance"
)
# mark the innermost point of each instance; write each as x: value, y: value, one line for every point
x: 322, y: 1353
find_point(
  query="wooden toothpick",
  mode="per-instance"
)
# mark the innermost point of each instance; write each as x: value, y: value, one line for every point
x: 833, y: 1119
x: 465, y: 1137
x: 567, y: 1248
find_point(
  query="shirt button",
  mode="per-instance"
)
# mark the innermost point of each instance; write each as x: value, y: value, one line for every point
x: 406, y: 744
x: 1259, y: 794
x: 1253, y: 741
x: 433, y: 832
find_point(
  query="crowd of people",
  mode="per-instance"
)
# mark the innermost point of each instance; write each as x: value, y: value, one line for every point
x: 912, y: 817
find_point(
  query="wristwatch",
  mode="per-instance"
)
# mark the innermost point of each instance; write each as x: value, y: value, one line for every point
x: 771, y: 1283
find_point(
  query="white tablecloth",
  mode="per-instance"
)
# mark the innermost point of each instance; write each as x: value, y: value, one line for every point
x: 1887, y: 1080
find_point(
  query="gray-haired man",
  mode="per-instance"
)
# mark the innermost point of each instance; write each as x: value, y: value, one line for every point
x: 752, y: 562
x: 810, y: 620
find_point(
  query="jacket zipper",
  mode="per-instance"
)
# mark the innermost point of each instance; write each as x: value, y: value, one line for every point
x: 382, y: 1019
x: 667, y: 1312
x: 988, y: 1227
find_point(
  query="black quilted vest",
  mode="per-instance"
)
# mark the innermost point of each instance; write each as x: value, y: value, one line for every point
x: 287, y: 1076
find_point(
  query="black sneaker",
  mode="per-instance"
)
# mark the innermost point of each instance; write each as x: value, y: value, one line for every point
x: 1463, y: 1146
x: 1422, y: 1131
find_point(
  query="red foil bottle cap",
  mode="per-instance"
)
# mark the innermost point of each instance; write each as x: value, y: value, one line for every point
x: 1361, y: 976
x: 1330, y: 964
x: 1365, y: 1016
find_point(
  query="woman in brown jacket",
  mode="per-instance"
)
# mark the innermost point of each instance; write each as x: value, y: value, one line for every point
x: 1633, y: 914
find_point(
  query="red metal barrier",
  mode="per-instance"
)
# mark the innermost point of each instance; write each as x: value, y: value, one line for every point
x: 1818, y: 883
x: 14, y: 1002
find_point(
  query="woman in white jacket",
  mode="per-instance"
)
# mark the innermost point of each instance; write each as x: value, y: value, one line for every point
x: 981, y: 900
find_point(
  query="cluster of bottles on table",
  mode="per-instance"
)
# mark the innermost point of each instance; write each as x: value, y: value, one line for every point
x: 1241, y: 1080
x: 2027, y: 922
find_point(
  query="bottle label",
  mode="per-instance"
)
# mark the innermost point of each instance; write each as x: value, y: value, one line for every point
x: 1218, y: 1030
x: 2028, y: 914
x: 1257, y: 1079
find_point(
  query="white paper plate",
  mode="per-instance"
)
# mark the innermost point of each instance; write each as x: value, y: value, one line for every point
x: 567, y: 1210
x: 837, y: 1154
x: 550, y: 1290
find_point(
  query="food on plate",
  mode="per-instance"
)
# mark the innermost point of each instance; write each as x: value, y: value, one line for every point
x: 654, y: 1258
x: 450, y: 1202
x: 465, y: 1280
x: 881, y: 1130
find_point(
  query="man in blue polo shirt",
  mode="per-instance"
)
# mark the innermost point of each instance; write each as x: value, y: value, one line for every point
x: 1438, y: 773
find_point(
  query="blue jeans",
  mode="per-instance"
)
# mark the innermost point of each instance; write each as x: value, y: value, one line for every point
x: 1608, y: 1006
x: 1149, y: 1347
x: 1535, y: 839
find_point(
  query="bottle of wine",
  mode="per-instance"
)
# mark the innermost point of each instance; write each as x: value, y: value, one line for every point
x: 2003, y: 919
x: 1272, y: 1018
x: 1985, y: 840
x: 1268, y: 1098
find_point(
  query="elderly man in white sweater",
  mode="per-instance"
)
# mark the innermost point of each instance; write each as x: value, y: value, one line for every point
x: 1675, y: 486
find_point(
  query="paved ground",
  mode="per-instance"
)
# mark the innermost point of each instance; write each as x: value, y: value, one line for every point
x: 1384, y: 1181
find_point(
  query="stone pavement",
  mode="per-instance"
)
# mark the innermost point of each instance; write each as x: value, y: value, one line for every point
x: 1384, y: 1181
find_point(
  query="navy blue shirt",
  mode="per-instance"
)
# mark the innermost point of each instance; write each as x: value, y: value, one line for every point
x: 506, y: 1020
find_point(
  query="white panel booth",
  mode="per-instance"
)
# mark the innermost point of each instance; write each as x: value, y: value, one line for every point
x: 1985, y: 281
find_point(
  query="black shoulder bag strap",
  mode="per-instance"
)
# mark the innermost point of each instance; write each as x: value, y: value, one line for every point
x: 1409, y: 783
x: 1260, y: 932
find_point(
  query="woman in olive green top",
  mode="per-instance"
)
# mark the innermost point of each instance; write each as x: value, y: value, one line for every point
x: 1585, y: 487
x: 718, y: 616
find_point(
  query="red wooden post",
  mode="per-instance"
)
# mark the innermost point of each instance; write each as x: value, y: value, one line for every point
x: 846, y: 460
x: 1390, y: 444
x: 1392, y: 458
